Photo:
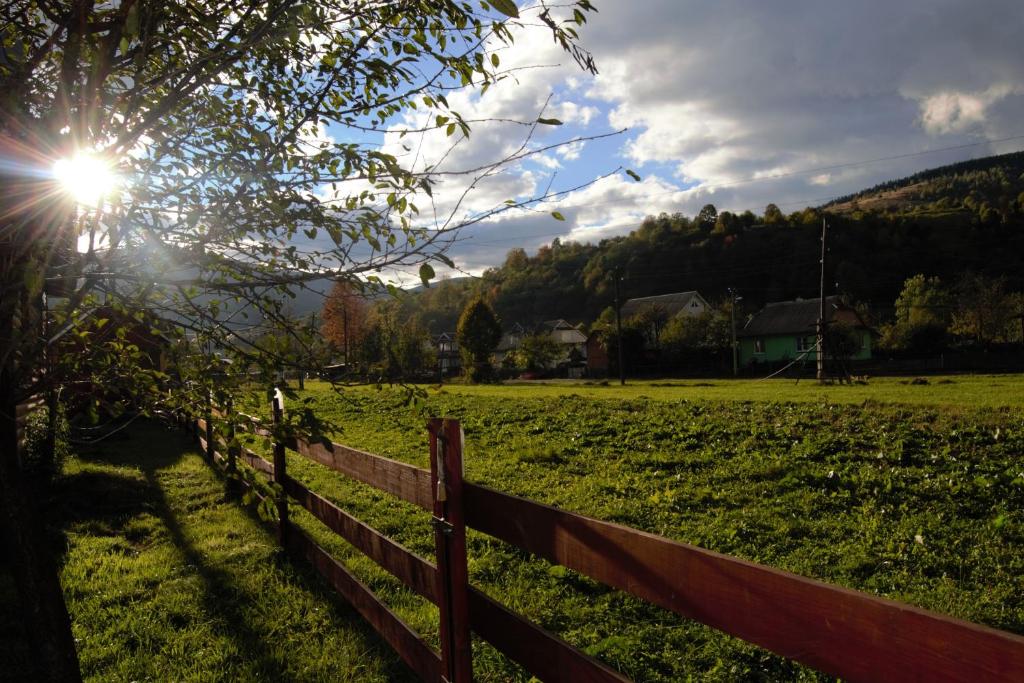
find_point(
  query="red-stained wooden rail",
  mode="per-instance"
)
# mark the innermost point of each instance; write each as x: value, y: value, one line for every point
x: 842, y: 632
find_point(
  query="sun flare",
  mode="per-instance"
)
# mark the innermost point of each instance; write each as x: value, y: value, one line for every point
x: 86, y: 177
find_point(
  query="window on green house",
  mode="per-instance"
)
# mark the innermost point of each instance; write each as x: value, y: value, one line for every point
x: 759, y: 346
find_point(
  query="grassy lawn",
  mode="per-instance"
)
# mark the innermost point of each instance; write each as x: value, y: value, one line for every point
x: 914, y: 492
x: 167, y: 579
x: 920, y: 503
x: 969, y: 391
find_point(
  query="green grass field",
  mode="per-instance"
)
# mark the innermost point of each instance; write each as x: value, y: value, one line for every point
x: 167, y: 579
x: 968, y: 391
x: 920, y: 503
x: 914, y: 492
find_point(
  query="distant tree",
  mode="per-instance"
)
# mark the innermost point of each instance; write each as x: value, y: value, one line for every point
x: 537, y: 352
x: 984, y: 311
x: 516, y: 259
x: 726, y: 224
x: 392, y: 347
x: 651, y: 319
x: 707, y: 217
x: 923, y: 314
x: 344, y: 318
x: 478, y: 333
x: 298, y: 351
x: 413, y: 351
x: 924, y: 301
x: 842, y: 341
x: 773, y: 215
x: 687, y: 337
x: 634, y: 343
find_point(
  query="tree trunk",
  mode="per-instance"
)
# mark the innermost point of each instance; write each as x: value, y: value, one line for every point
x: 43, y: 611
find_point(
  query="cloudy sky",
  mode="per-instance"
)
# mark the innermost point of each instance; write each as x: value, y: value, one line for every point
x: 736, y: 103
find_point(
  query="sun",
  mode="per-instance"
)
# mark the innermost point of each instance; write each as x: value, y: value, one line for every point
x: 86, y: 177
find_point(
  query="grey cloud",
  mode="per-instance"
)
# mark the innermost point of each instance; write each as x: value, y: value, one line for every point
x: 725, y: 91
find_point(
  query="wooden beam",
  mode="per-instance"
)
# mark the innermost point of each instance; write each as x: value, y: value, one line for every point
x: 409, y: 483
x: 411, y: 569
x: 839, y: 631
x: 420, y: 657
x: 543, y: 654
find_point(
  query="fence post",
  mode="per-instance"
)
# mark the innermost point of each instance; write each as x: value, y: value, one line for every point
x: 229, y: 410
x: 209, y: 425
x: 279, y: 469
x: 450, y: 544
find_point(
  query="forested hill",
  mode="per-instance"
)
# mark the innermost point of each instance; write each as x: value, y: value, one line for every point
x: 965, y: 217
x: 992, y: 184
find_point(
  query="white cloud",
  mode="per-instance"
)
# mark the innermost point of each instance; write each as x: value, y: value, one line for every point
x: 956, y: 112
x: 740, y: 104
x: 571, y: 152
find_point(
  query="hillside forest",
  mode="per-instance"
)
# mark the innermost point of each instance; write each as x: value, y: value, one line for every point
x: 933, y: 260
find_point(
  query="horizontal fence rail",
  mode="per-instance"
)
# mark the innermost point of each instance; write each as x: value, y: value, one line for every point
x: 839, y: 631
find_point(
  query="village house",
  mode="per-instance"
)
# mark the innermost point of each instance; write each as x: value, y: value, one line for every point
x: 659, y: 309
x: 573, y: 342
x: 510, y: 341
x: 448, y: 360
x: 786, y: 330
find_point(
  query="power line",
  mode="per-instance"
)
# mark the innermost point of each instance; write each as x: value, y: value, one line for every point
x: 819, y: 169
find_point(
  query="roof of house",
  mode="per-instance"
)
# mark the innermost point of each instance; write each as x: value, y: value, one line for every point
x: 575, y: 335
x: 511, y: 338
x: 790, y: 317
x: 671, y: 303
x: 559, y: 324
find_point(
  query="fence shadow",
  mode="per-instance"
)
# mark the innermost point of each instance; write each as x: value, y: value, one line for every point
x: 105, y: 503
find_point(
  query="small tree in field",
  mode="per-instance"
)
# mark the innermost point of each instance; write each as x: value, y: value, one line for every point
x: 537, y: 352
x: 478, y: 334
x: 345, y: 319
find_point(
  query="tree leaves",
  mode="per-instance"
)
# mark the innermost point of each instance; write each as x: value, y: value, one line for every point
x: 426, y: 274
x: 633, y: 174
x: 506, y: 7
x: 549, y: 122
x: 557, y: 216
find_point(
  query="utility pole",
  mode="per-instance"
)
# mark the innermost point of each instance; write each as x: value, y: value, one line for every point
x: 617, y: 274
x: 732, y: 316
x: 821, y: 309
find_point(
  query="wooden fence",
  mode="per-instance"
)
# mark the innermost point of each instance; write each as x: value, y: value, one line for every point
x: 842, y: 632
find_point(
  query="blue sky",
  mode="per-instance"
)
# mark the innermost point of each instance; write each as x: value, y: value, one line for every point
x: 733, y: 103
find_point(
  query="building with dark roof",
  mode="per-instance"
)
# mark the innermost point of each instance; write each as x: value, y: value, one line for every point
x: 679, y: 303
x: 787, y: 330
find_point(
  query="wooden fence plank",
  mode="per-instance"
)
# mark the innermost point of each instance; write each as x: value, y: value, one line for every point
x: 450, y: 546
x: 836, y: 630
x: 406, y: 481
x: 414, y: 571
x: 543, y: 654
x: 256, y: 462
x: 409, y: 645
x: 280, y: 474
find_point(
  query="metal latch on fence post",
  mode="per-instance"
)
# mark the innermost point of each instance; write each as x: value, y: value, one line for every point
x: 442, y: 525
x: 442, y: 485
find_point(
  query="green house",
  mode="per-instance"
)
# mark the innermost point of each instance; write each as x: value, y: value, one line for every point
x: 787, y: 330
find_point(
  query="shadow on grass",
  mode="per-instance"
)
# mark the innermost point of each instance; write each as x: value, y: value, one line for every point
x: 15, y: 654
x: 104, y: 504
